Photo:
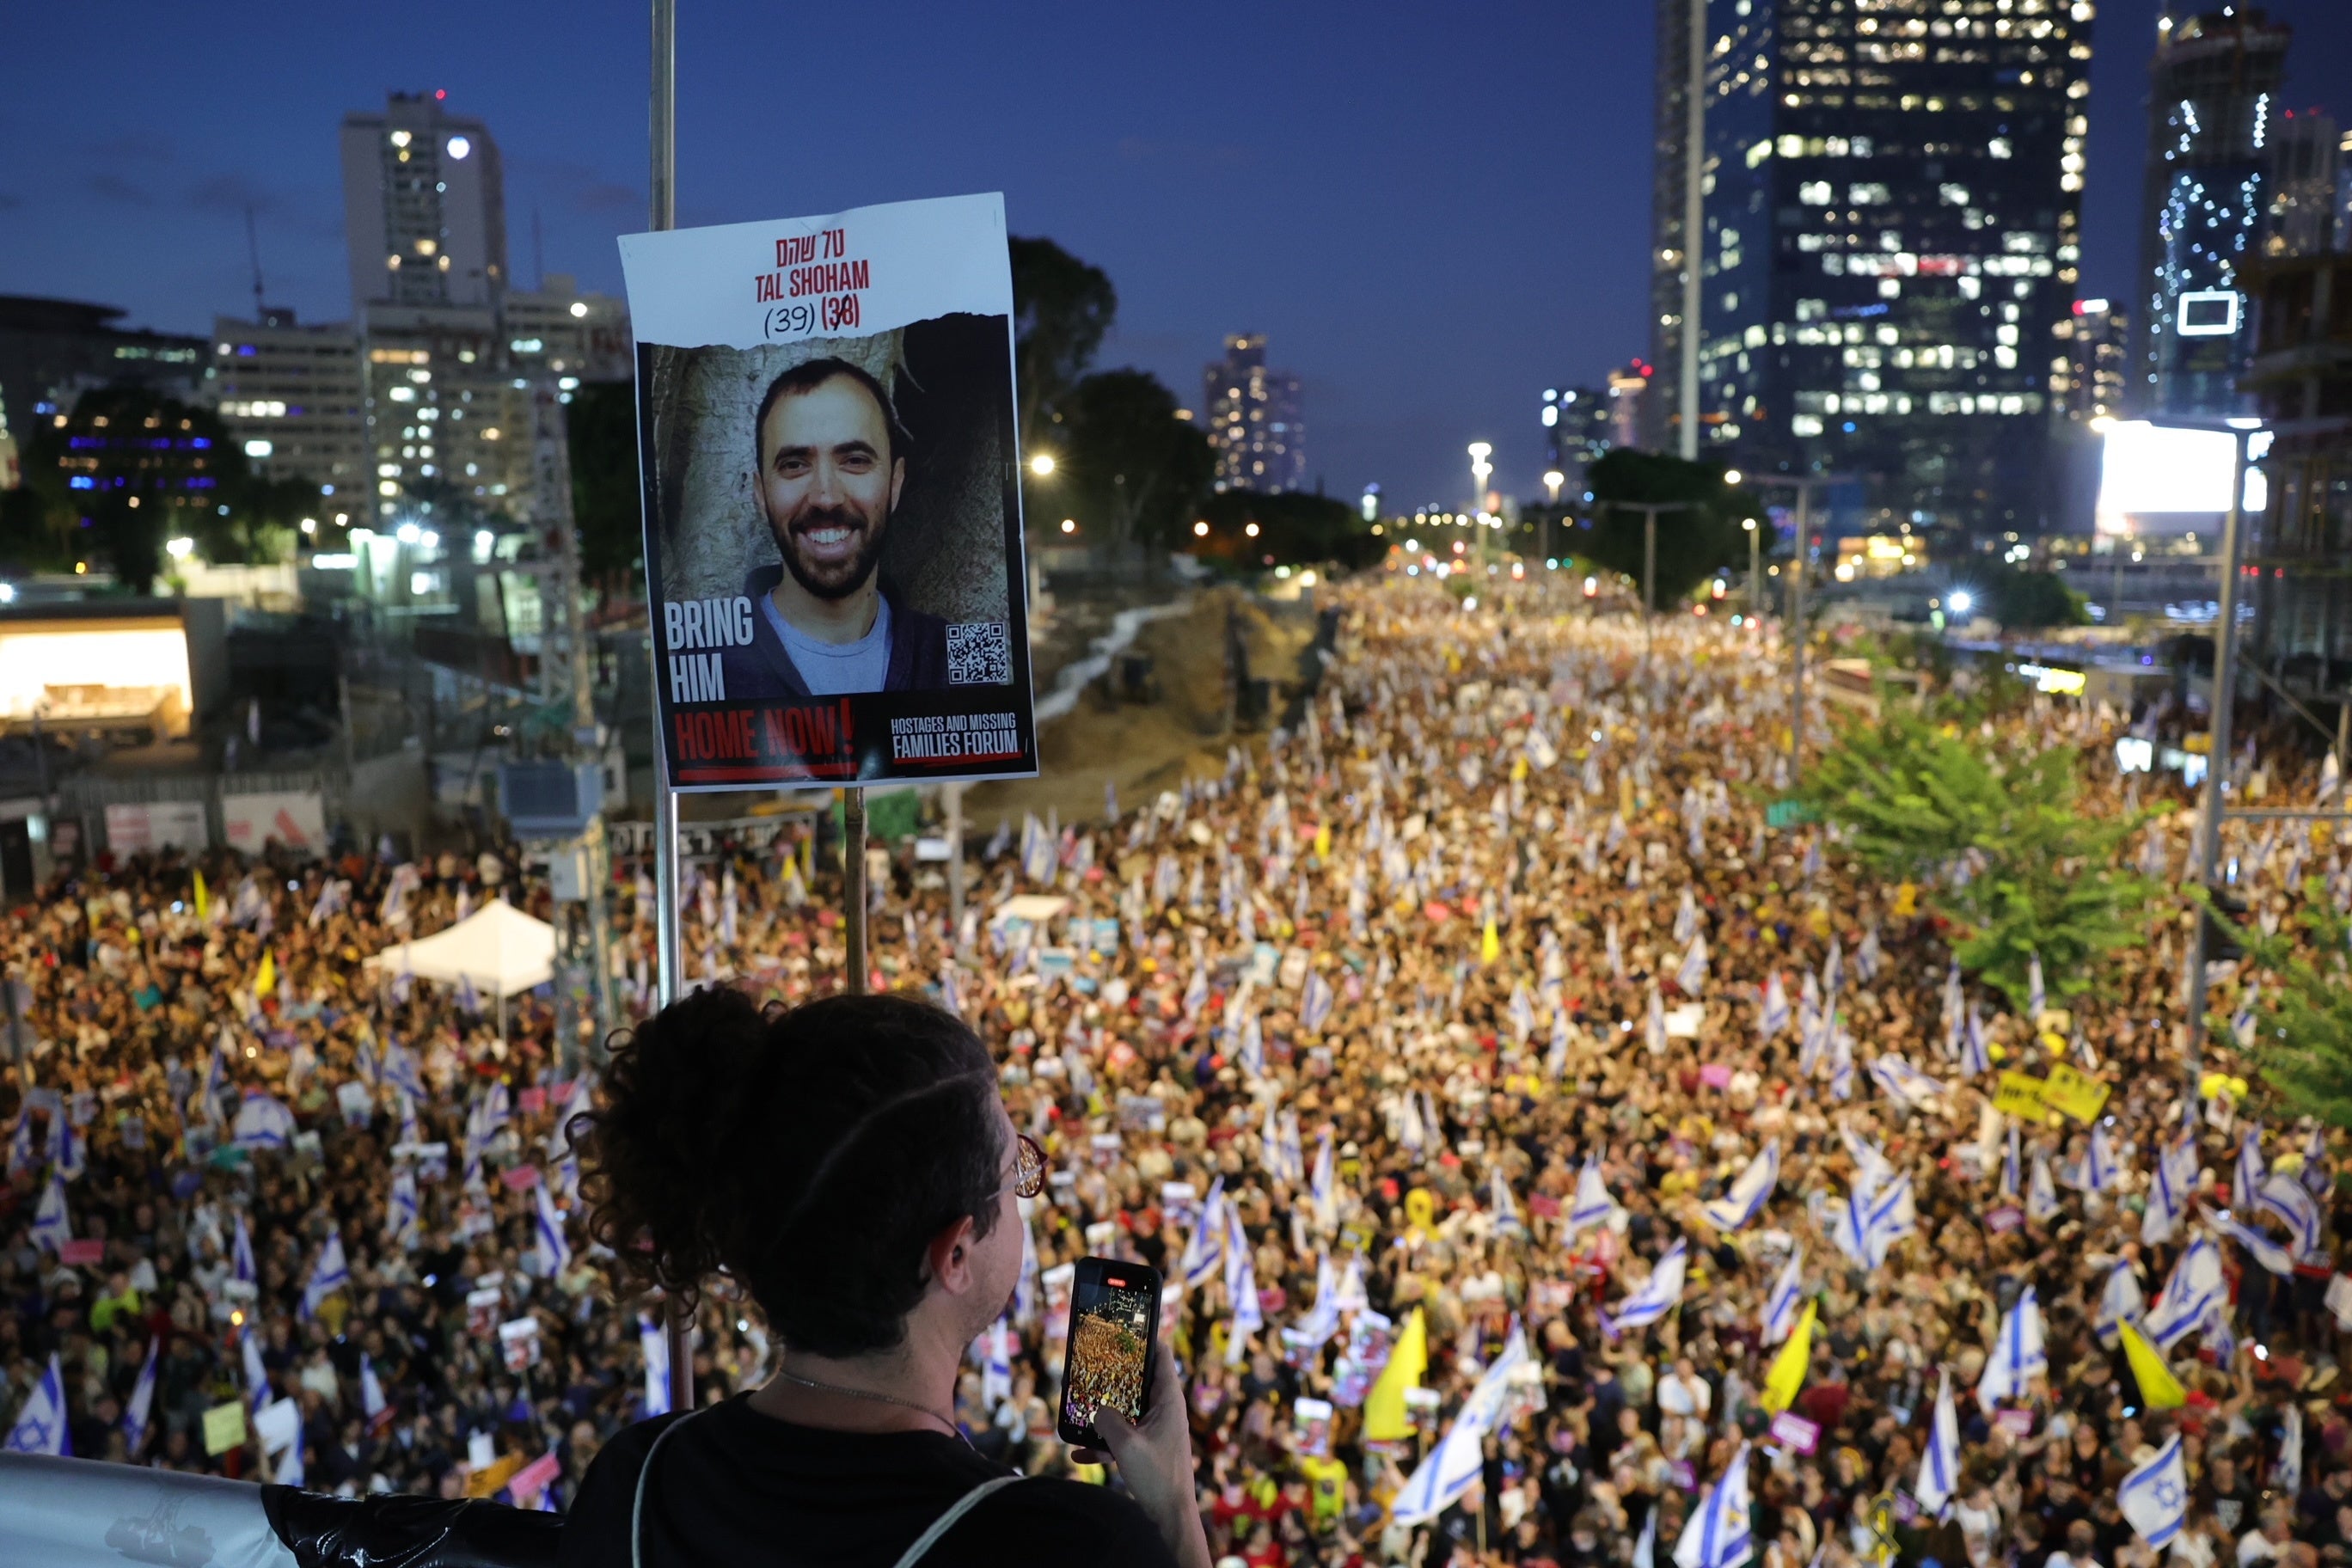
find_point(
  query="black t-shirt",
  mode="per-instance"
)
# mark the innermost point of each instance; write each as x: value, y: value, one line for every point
x: 738, y: 1487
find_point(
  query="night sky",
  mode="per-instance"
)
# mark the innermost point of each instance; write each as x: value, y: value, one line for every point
x: 1433, y: 211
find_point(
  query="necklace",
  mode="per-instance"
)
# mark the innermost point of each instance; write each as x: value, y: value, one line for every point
x: 873, y: 1395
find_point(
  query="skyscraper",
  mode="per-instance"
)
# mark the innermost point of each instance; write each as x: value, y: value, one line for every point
x: 295, y: 398
x: 1891, y: 235
x: 1669, y: 187
x: 2086, y: 368
x: 424, y: 206
x: 1252, y: 419
x: 2213, y: 115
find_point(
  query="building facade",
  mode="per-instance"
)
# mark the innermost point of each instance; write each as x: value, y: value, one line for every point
x: 2088, y: 363
x: 1660, y: 429
x: 2213, y: 122
x: 295, y: 398
x: 1890, y: 239
x: 2298, y: 552
x: 559, y: 330
x: 1253, y: 419
x: 53, y: 350
x: 1579, y: 425
x: 423, y: 206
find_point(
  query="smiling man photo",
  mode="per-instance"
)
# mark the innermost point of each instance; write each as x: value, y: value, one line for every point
x: 832, y: 462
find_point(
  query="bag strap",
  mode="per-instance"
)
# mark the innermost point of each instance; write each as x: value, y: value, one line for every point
x: 637, y: 1503
x: 947, y: 1521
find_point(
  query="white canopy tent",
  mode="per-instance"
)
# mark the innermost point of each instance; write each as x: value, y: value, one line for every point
x: 499, y: 950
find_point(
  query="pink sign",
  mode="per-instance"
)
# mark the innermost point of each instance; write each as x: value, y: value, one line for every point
x: 1715, y: 1075
x: 2016, y: 1423
x: 1793, y: 1431
x: 2003, y: 1218
x: 81, y: 1252
x: 519, y: 1178
x: 526, y: 1484
x: 532, y: 1101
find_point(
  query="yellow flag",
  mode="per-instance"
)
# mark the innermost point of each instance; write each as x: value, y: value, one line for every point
x: 204, y: 900
x: 2158, y: 1389
x: 265, y: 979
x: 1323, y: 842
x: 1384, y: 1418
x: 1787, y: 1372
x: 1490, y: 946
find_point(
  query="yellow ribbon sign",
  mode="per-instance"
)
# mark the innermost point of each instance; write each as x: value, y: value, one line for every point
x: 2077, y: 1094
x: 2022, y: 1094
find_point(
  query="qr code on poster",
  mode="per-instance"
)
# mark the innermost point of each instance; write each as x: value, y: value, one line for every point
x: 979, y: 654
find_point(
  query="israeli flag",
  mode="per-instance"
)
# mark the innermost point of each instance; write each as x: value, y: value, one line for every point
x: 1809, y: 1006
x: 1293, y: 1152
x: 1315, y: 1004
x: 1459, y: 1458
x: 2194, y: 1289
x: 2009, y: 1172
x: 2286, y: 1475
x: 373, y: 1403
x: 1939, y: 1467
x: 40, y: 1426
x: 1556, y: 1060
x: 1253, y: 1052
x: 1955, y: 1010
x: 1691, y: 975
x: 2037, y: 1001
x: 2018, y: 1355
x: 1522, y: 1014
x: 71, y: 1150
x: 240, y: 1255
x: 1747, y: 1196
x: 1904, y: 1084
x: 1814, y: 1027
x: 2041, y: 1194
x: 1841, y: 1064
x: 1242, y: 1287
x: 1787, y: 1295
x: 2246, y: 1181
x: 2168, y: 1194
x: 1775, y: 1016
x: 1592, y: 1204
x: 329, y: 1274
x: 653, y: 1345
x: 257, y: 1376
x: 1834, y: 971
x: 1196, y: 992
x: 1645, y: 1549
x: 1867, y: 958
x: 1716, y: 1534
x: 263, y: 1122
x: 400, y: 1071
x: 1893, y: 1215
x: 1872, y: 1169
x: 52, y: 1227
x: 1653, y: 1024
x: 143, y: 1404
x: 1976, y: 1056
x: 2288, y: 1199
x: 2265, y: 1251
x: 1615, y: 949
x: 1661, y: 1293
x: 400, y: 1215
x: 2099, y: 1168
x: 1320, y: 1184
x: 553, y: 1249
x: 2154, y: 1496
x: 1501, y: 1207
x: 2120, y: 1303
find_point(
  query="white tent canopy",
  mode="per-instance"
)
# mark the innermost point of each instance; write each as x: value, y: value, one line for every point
x: 500, y: 950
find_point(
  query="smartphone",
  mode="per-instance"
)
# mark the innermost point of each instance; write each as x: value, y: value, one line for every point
x: 1114, y: 1316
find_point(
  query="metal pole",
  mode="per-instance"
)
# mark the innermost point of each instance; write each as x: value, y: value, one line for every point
x: 2217, y: 765
x: 1755, y: 565
x: 662, y: 140
x: 852, y: 889
x: 1650, y: 561
x: 1693, y: 228
x: 955, y: 869
x: 1797, y: 636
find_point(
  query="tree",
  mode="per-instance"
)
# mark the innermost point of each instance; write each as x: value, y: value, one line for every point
x: 2029, y: 601
x: 2303, y: 1017
x: 1994, y: 838
x: 131, y: 468
x: 1294, y: 529
x: 601, y: 428
x: 1062, y: 307
x: 1130, y: 467
x: 1693, y: 542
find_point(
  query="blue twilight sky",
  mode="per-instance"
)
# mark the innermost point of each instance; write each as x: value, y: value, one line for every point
x: 1433, y: 211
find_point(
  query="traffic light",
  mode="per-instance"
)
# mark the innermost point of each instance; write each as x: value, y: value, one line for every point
x: 2220, y: 935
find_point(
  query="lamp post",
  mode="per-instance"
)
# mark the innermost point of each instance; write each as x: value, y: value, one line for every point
x: 1553, y: 479
x: 1804, y: 485
x: 1479, y: 470
x: 1755, y: 564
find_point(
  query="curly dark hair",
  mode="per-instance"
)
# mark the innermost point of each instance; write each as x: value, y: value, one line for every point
x: 812, y: 1152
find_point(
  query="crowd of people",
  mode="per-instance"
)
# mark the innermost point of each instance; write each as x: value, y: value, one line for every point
x: 1499, y: 1092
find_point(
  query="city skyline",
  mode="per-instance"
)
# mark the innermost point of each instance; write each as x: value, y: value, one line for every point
x: 1309, y: 218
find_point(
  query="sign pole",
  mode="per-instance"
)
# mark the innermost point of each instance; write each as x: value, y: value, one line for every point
x: 677, y: 1327
x: 955, y: 865
x: 2209, y: 809
x: 852, y: 889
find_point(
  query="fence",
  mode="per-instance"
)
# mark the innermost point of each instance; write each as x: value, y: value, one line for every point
x: 381, y: 795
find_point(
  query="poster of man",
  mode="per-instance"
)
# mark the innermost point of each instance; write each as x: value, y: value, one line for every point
x: 832, y: 497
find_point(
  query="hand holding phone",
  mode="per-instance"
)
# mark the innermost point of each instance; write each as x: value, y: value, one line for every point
x: 1106, y: 1363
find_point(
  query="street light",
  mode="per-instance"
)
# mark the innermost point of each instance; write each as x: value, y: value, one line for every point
x: 1041, y: 465
x: 1479, y: 469
x: 1553, y: 479
x: 1755, y: 564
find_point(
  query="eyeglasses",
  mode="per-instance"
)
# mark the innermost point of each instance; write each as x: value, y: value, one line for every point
x: 1028, y: 1166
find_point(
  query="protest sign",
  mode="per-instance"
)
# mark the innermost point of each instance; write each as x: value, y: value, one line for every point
x: 833, y: 511
x: 2020, y: 1095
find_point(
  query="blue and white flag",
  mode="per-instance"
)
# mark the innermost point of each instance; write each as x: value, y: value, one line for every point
x: 2042, y: 1192
x: 2291, y: 1201
x: 1522, y: 1012
x: 2286, y: 1472
x: 1872, y: 1169
x: 652, y: 1346
x: 1459, y: 1459
x: 554, y: 1250
x: 1196, y: 992
x: 1645, y: 1549
x: 2099, y: 1168
x: 1939, y: 1467
x: 1686, y: 917
x: 1691, y: 975
x: 69, y: 1148
x: 1556, y: 1060
x: 1322, y: 1186
x: 1811, y: 1016
x: 329, y: 1274
x: 40, y: 1426
x: 1841, y: 1063
x: 1314, y: 1003
x: 1904, y: 1084
x: 2154, y: 1496
x: 257, y: 1376
x: 996, y: 1358
x: 2120, y: 1303
x: 1502, y: 1209
x: 2246, y: 1181
x: 2195, y: 1288
x: 1653, y: 1024
x: 1955, y: 1011
x: 2010, y: 1173
x: 1593, y: 1205
x: 2168, y: 1193
x: 1716, y: 1536
x: 2018, y: 1355
x: 52, y: 1227
x: 143, y: 1404
x: 1746, y: 1196
x: 400, y: 1214
x: 1813, y: 1029
x: 2037, y: 1000
x: 263, y: 1122
x: 1834, y: 971
x: 1252, y: 1051
x: 2264, y: 1249
x: 1867, y: 957
x: 1242, y: 1287
x: 1787, y: 1295
x: 1976, y: 1055
x: 1661, y: 1293
x: 371, y: 1401
x: 400, y: 1071
x: 1775, y: 1014
x: 1893, y: 1215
